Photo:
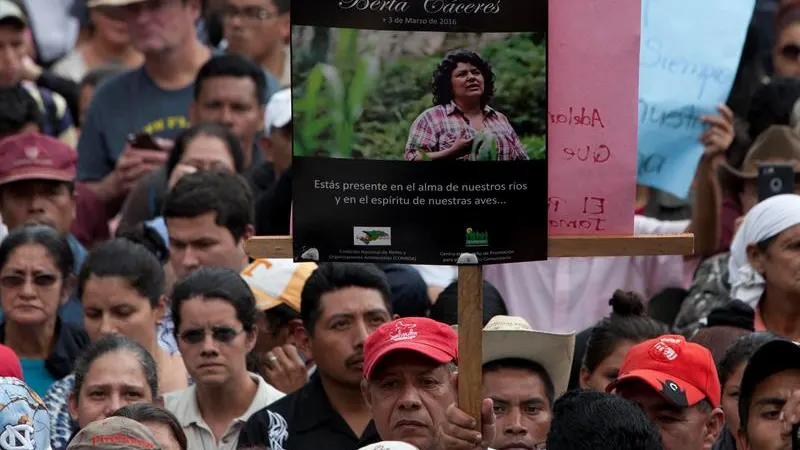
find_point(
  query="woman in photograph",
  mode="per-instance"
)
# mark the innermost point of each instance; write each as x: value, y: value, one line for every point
x: 462, y: 125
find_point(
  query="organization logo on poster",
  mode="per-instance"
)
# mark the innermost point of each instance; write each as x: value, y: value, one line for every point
x: 375, y: 236
x: 477, y: 238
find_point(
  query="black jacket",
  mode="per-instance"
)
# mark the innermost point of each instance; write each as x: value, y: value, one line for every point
x: 70, y: 344
x: 303, y: 420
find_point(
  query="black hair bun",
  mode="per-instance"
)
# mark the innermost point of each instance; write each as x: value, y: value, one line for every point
x: 627, y: 303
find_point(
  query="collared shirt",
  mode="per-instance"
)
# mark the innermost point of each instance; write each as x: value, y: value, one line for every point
x: 568, y: 294
x: 304, y: 420
x: 437, y: 128
x: 183, y: 404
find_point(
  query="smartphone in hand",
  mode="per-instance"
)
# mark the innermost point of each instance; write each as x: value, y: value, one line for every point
x: 775, y: 179
x: 144, y: 141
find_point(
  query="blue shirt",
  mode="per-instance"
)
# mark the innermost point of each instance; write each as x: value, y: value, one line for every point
x: 72, y: 311
x: 147, y: 108
x: 36, y: 376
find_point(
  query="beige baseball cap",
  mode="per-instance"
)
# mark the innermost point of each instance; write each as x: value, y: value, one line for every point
x: 95, y: 3
x: 114, y: 433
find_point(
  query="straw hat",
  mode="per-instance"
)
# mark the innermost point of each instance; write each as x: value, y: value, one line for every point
x: 507, y: 337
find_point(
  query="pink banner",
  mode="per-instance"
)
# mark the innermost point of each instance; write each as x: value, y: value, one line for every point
x: 593, y: 113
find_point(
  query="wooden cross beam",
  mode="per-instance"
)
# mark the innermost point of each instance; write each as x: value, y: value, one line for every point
x: 470, y: 290
x: 561, y: 246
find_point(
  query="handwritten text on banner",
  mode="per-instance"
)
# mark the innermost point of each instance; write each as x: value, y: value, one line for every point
x: 594, y: 68
x: 688, y: 64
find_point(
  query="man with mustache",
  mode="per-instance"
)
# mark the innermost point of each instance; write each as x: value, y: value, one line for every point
x: 676, y: 384
x: 411, y: 386
x: 341, y: 304
x: 37, y: 185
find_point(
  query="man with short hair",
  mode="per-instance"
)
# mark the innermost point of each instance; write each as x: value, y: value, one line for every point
x: 229, y: 90
x: 215, y: 326
x: 209, y: 217
x: 342, y: 304
x: 19, y: 114
x: 56, y: 119
x: 410, y: 382
x: 523, y: 372
x: 588, y: 420
x: 675, y: 382
x: 37, y: 185
x: 155, y: 98
x: 769, y: 397
x: 260, y: 29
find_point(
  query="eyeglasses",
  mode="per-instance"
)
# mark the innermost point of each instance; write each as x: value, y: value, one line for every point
x: 248, y: 12
x: 42, y: 280
x: 790, y: 51
x: 223, y: 335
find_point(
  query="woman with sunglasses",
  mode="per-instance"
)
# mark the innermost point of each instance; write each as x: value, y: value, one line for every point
x: 114, y: 372
x: 121, y: 287
x: 215, y: 321
x: 36, y: 266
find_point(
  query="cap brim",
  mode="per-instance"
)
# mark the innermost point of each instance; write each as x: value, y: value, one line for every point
x: 428, y: 351
x: 15, y: 19
x: 38, y: 174
x: 264, y: 302
x: 673, y: 389
x: 552, y: 351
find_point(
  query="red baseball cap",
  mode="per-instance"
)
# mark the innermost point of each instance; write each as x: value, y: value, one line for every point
x: 683, y: 372
x: 10, y: 365
x: 34, y: 156
x: 417, y: 334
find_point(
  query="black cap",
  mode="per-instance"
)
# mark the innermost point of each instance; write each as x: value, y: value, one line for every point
x: 773, y: 357
x: 734, y: 314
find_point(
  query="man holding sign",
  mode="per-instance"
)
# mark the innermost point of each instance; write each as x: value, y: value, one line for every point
x: 411, y: 386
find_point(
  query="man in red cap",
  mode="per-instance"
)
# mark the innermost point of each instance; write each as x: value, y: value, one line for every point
x: 410, y: 386
x: 37, y: 185
x: 675, y: 382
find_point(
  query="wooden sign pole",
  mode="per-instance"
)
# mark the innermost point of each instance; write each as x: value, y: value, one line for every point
x: 470, y: 290
x: 470, y: 336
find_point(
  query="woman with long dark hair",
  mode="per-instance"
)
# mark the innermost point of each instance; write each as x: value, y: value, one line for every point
x: 461, y: 124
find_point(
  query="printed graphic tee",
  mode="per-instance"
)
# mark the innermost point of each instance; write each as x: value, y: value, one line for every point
x: 128, y: 103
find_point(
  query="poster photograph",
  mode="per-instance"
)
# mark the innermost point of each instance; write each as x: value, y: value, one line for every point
x: 419, y: 130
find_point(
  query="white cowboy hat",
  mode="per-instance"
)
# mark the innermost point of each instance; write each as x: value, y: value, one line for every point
x: 507, y: 337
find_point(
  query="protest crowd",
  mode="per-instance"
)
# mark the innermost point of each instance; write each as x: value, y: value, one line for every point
x: 145, y: 141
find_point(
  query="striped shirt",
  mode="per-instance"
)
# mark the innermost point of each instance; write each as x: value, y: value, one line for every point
x: 437, y: 128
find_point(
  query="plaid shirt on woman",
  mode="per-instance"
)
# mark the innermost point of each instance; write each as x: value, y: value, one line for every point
x: 438, y: 127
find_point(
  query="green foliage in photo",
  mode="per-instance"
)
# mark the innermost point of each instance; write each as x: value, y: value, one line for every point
x: 350, y: 104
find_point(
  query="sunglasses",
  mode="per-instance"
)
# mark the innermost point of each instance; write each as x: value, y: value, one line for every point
x: 42, y: 280
x: 790, y: 51
x: 223, y: 335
